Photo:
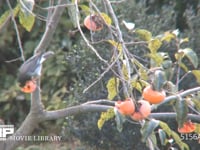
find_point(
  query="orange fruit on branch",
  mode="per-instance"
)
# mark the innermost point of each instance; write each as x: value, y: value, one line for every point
x: 143, y: 110
x: 126, y: 107
x: 153, y: 96
x: 29, y: 87
x: 188, y: 127
x: 93, y: 22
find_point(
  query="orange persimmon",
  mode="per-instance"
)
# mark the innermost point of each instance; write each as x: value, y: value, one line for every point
x: 29, y: 87
x: 144, y: 110
x: 152, y: 96
x: 126, y: 107
x: 188, y: 127
x: 93, y: 22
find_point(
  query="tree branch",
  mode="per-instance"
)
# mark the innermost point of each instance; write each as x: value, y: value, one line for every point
x: 172, y: 115
x: 39, y: 115
x: 34, y: 116
x: 70, y: 111
x: 172, y: 97
x: 83, y: 36
x: 51, y: 27
x: 16, y: 30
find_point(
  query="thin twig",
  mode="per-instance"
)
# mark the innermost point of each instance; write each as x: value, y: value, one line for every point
x: 117, y: 2
x: 124, y: 49
x: 181, y: 79
x: 102, y: 74
x: 53, y: 7
x: 17, y: 31
x: 13, y: 60
x: 50, y: 29
x: 50, y: 12
x: 40, y: 17
x: 83, y: 36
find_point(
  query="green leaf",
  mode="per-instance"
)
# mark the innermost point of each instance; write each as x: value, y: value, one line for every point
x: 26, y: 17
x: 167, y: 64
x: 159, y: 80
x: 137, y: 63
x: 120, y: 119
x: 105, y: 116
x: 181, y: 111
x: 148, y: 128
x: 162, y: 136
x: 191, y: 55
x: 112, y: 87
x: 168, y: 36
x: 157, y: 58
x: 6, y: 15
x: 117, y: 45
x: 138, y: 84
x: 178, y: 140
x: 106, y: 18
x: 165, y: 127
x: 86, y: 9
x: 125, y: 71
x: 144, y: 34
x: 184, y: 40
x: 174, y: 135
x: 196, y: 103
x: 196, y: 73
x: 197, y: 130
x: 151, y: 143
x: 154, y: 45
x: 143, y: 74
x: 183, y: 66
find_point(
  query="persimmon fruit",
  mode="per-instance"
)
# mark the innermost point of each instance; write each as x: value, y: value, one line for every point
x: 29, y: 87
x: 126, y: 107
x: 153, y: 96
x: 188, y: 127
x: 143, y: 110
x: 93, y: 22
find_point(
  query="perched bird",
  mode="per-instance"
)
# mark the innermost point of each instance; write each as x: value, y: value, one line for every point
x: 30, y: 70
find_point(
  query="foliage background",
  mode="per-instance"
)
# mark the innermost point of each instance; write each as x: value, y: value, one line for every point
x: 74, y: 67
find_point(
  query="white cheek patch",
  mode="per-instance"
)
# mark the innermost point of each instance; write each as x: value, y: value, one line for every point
x: 42, y: 60
x: 38, y: 70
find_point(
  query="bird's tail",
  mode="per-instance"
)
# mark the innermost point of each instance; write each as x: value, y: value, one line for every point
x: 46, y: 55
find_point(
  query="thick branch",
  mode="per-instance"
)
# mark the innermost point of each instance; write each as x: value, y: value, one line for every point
x: 172, y: 97
x: 25, y: 129
x: 36, y: 102
x: 80, y: 109
x: 36, y: 109
x: 171, y: 115
x: 35, y: 117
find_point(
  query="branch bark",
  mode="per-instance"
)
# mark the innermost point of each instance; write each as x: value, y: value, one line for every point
x: 51, y: 27
x: 38, y: 115
x: 172, y: 97
x: 34, y: 116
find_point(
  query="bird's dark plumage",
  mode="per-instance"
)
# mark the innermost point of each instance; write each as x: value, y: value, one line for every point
x: 32, y: 67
